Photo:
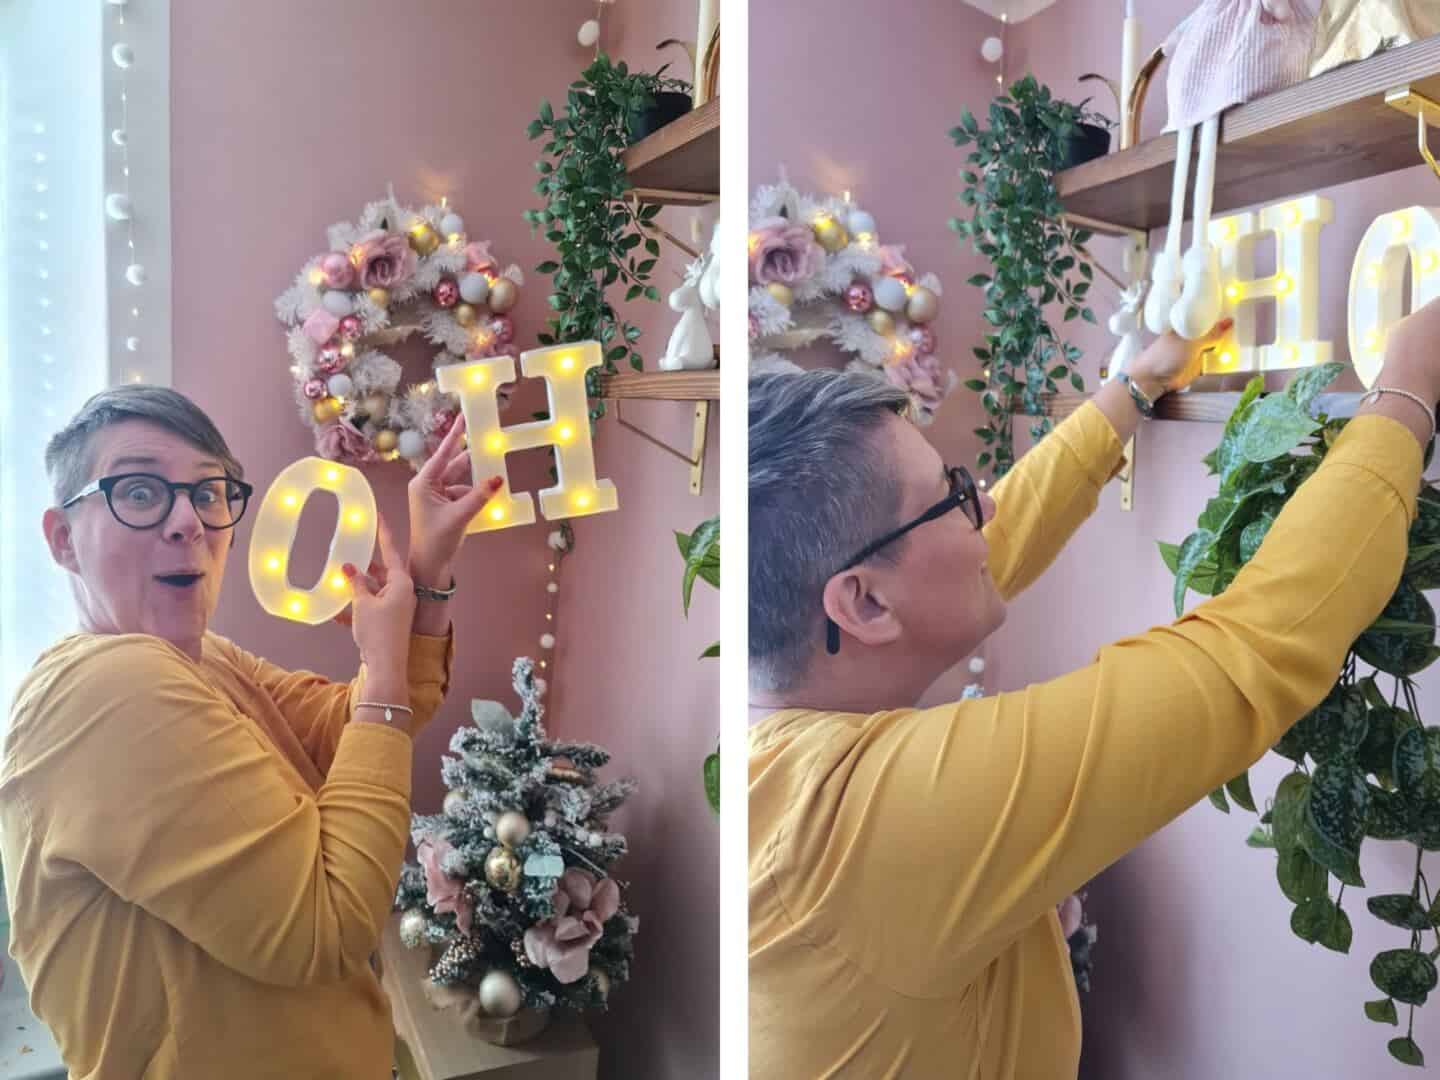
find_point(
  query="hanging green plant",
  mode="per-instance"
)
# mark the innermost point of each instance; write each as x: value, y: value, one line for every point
x: 701, y: 552
x: 594, y: 228
x: 1036, y: 259
x: 1365, y: 766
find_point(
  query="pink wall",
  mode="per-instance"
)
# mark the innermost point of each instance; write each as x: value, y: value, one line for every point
x: 1197, y: 973
x: 289, y: 117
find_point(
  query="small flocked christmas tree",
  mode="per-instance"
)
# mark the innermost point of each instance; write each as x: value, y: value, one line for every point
x: 514, y: 876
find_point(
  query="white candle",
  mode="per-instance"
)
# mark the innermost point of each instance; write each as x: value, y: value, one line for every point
x: 709, y: 19
x: 1129, y: 65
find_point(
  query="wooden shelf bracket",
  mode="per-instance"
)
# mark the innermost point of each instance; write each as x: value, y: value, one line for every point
x: 696, y: 458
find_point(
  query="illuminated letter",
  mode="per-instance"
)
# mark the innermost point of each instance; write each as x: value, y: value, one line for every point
x: 1377, y: 275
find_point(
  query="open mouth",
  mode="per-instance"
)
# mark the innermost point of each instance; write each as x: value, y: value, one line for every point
x: 181, y: 581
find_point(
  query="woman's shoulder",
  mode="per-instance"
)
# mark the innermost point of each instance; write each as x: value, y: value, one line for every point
x: 85, y: 665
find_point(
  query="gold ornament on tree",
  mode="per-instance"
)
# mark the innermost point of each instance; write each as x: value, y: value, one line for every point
x: 326, y: 409
x: 379, y: 297
x: 1351, y: 30
x: 424, y: 239
x: 503, y: 295
x: 922, y: 306
x: 386, y: 440
x: 412, y: 929
x: 881, y: 321
x: 782, y: 293
x: 831, y: 234
x: 465, y: 314
x: 502, y: 869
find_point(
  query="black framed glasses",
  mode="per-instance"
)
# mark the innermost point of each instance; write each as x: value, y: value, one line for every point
x: 144, y: 500
x: 962, y: 493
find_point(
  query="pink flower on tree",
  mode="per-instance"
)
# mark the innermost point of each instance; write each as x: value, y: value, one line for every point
x: 562, y: 942
x: 783, y: 251
x: 384, y: 260
x: 444, y: 893
x: 341, y: 442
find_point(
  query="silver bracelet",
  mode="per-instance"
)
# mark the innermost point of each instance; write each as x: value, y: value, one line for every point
x: 390, y: 710
x: 1429, y: 411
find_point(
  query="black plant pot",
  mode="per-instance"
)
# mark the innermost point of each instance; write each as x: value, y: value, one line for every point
x: 1090, y: 142
x: 669, y: 105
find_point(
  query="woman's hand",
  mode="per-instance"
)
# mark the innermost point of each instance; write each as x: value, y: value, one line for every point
x: 1172, y: 363
x: 383, y: 607
x: 442, y: 503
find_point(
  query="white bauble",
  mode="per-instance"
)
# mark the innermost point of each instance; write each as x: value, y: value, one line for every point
x: 123, y: 55
x: 412, y: 929
x: 992, y: 49
x: 135, y: 274
x: 412, y: 444
x: 474, y: 288
x: 340, y: 386
x: 513, y: 828
x: 117, y: 207
x: 860, y: 222
x: 454, y: 804
x: 489, y: 832
x: 594, y: 839
x: 493, y: 717
x: 500, y: 994
x: 451, y: 224
x: 338, y: 302
x: 547, y: 641
x: 977, y: 665
x: 589, y: 33
x: 889, y: 293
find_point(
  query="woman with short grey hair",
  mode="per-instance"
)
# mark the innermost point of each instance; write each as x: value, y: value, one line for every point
x: 200, y: 847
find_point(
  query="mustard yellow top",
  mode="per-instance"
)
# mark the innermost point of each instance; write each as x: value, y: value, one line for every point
x: 199, y: 859
x: 905, y: 866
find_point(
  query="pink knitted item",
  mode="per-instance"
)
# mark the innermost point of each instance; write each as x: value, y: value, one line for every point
x: 1232, y: 51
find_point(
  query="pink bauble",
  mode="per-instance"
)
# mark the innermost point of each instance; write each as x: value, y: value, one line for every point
x: 330, y: 360
x: 350, y: 328
x: 859, y: 298
x: 315, y: 389
x: 446, y: 294
x: 502, y: 329
x: 339, y: 274
x: 923, y: 338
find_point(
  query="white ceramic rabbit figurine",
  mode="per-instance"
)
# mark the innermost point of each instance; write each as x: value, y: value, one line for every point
x: 691, y: 348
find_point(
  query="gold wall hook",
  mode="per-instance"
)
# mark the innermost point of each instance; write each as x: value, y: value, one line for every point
x: 1425, y: 110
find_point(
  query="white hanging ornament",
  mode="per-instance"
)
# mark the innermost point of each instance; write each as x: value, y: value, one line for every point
x: 117, y: 206
x: 135, y: 274
x: 119, y: 136
x: 452, y: 224
x: 513, y: 828
x: 474, y: 288
x: 412, y: 444
x: 412, y: 929
x: 889, y: 294
x: 133, y: 344
x: 589, y: 33
x: 547, y: 641
x: 992, y: 49
x: 338, y: 303
x: 340, y: 386
x: 860, y: 223
x: 123, y: 55
x: 500, y: 994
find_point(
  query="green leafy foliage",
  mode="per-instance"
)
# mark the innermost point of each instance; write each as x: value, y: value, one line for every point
x: 1036, y: 259
x: 701, y: 551
x: 596, y: 232
x: 711, y: 772
x: 1365, y: 766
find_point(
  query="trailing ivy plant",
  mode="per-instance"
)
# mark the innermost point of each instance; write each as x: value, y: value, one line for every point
x: 595, y: 230
x: 1364, y: 765
x: 701, y: 552
x: 1036, y: 259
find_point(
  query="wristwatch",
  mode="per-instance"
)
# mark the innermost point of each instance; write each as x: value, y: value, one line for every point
x: 424, y: 592
x: 1143, y: 403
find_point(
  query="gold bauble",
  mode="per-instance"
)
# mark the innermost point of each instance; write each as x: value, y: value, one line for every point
x: 424, y: 239
x: 379, y: 297
x: 503, y: 295
x: 832, y: 235
x: 922, y: 306
x: 412, y: 929
x: 782, y: 293
x: 386, y: 440
x: 502, y: 869
x: 375, y: 406
x: 464, y: 314
x: 454, y: 801
x: 326, y: 409
x: 881, y: 321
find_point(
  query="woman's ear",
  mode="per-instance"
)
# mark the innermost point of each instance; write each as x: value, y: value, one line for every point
x: 60, y: 539
x: 858, y: 605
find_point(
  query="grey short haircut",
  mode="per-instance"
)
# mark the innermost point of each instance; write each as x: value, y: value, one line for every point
x: 70, y: 454
x: 821, y: 488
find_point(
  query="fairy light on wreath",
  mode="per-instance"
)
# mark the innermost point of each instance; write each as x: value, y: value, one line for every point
x: 119, y: 205
x: 393, y: 274
x: 819, y: 272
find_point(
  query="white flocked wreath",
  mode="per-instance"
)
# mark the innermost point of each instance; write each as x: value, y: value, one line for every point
x: 393, y: 273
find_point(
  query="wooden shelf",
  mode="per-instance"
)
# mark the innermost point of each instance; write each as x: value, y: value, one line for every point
x: 663, y: 385
x: 1211, y: 406
x: 1328, y: 130
x: 679, y: 165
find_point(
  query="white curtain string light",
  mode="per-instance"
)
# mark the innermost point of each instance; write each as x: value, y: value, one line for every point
x: 558, y: 543
x: 992, y: 49
x: 118, y: 205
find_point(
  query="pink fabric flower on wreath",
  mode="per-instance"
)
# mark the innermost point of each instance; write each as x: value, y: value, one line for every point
x: 781, y: 250
x: 444, y: 893
x: 893, y: 262
x: 562, y: 942
x: 341, y: 442
x: 385, y: 260
x: 478, y: 257
x: 922, y: 377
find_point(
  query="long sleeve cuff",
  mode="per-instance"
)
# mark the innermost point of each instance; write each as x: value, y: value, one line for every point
x: 1087, y: 434
x: 1387, y: 449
